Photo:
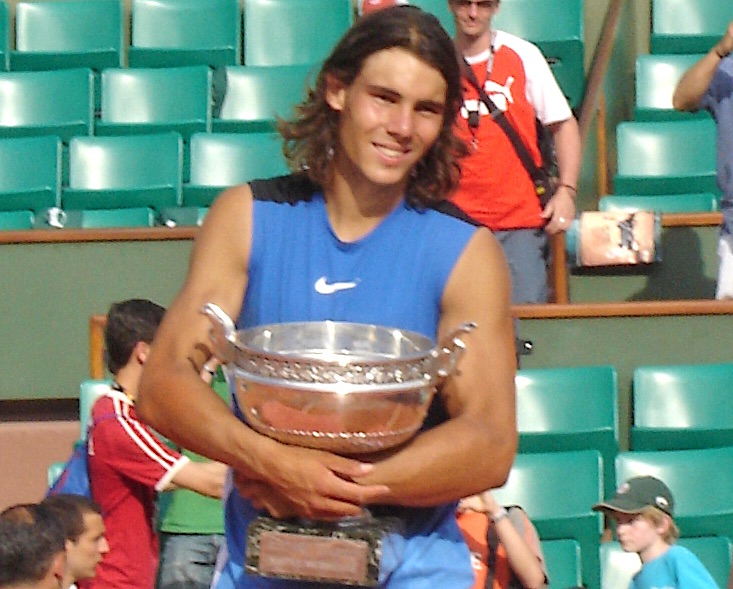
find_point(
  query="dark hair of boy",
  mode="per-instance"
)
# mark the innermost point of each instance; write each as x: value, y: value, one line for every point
x: 28, y: 549
x: 70, y: 509
x: 128, y: 323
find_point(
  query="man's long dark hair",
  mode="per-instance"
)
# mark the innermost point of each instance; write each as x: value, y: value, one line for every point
x: 312, y: 135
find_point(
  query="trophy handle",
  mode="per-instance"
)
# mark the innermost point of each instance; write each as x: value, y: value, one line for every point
x: 223, y: 332
x: 450, y: 355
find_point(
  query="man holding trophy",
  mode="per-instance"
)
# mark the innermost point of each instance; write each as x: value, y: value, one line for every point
x: 359, y: 233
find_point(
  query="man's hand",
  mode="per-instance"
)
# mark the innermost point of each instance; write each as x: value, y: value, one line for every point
x: 560, y: 210
x: 310, y: 484
x: 725, y: 45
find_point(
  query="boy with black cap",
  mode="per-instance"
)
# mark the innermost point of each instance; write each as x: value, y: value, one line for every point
x: 642, y: 509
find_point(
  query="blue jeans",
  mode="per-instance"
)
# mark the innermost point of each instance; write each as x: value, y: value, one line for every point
x: 187, y: 560
x: 526, y: 251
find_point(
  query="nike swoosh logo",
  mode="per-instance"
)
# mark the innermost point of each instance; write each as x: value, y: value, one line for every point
x: 324, y: 287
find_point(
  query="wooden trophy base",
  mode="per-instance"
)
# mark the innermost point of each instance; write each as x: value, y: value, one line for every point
x: 346, y: 552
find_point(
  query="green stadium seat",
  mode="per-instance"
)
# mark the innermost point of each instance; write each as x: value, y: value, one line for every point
x: 550, y: 419
x: 107, y: 218
x: 656, y: 78
x: 131, y: 217
x: 36, y: 184
x: 287, y: 32
x: 169, y: 33
x: 562, y: 560
x: 701, y: 482
x: 221, y: 160
x: 89, y: 391
x: 16, y: 220
x: 440, y: 9
x: 256, y: 95
x: 715, y: 554
x: 47, y: 103
x: 153, y: 100
x: 182, y: 216
x: 4, y: 36
x: 702, y: 202
x: 666, y: 157
x: 54, y: 471
x: 562, y: 43
x: 558, y: 490
x: 126, y: 171
x: 618, y: 567
x: 679, y: 407
x: 688, y: 26
x: 71, y: 34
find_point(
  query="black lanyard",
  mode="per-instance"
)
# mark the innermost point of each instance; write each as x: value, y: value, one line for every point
x: 474, y: 117
x: 499, y: 117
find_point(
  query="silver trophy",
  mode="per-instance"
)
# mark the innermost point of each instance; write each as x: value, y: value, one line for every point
x: 348, y: 388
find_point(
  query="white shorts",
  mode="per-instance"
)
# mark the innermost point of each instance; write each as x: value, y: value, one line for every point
x: 724, y: 289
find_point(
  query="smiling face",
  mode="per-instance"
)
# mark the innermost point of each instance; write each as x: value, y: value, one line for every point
x: 87, y: 551
x: 389, y: 117
x: 473, y: 19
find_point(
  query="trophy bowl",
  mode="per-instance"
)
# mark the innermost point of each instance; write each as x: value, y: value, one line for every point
x: 349, y: 388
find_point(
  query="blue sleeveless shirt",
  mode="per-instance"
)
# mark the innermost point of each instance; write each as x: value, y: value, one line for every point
x: 299, y: 270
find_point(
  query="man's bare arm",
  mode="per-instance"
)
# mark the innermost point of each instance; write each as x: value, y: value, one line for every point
x: 172, y: 397
x: 206, y: 478
x: 695, y: 81
x: 473, y: 450
x: 175, y: 400
x: 561, y: 208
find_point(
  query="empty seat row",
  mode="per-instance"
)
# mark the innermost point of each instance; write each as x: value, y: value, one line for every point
x: 675, y: 407
x: 679, y: 407
x: 91, y: 33
x: 666, y: 157
x: 164, y: 33
x: 176, y: 99
x: 656, y: 77
x: 688, y: 26
x: 131, y: 171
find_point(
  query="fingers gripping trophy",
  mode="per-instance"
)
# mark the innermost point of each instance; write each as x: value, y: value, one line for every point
x: 347, y: 388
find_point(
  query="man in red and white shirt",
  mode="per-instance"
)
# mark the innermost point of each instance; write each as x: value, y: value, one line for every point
x: 128, y: 463
x: 495, y: 189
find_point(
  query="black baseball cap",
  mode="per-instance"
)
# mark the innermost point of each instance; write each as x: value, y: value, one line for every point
x: 638, y: 493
